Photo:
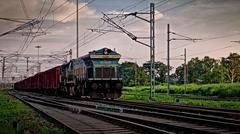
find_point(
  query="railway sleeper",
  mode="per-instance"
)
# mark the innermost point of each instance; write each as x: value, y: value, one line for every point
x: 176, y: 127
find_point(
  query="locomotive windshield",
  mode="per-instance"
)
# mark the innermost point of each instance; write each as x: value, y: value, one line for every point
x: 105, y: 72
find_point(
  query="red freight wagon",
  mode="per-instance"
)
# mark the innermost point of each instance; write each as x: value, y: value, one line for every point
x: 48, y: 81
x: 51, y: 80
x: 27, y: 84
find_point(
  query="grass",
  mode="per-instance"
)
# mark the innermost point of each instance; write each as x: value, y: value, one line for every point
x: 221, y: 89
x: 18, y: 117
x: 141, y: 93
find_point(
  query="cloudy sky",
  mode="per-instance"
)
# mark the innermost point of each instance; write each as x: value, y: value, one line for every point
x: 216, y: 22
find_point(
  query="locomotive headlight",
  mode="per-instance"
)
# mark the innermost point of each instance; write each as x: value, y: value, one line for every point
x: 105, y: 51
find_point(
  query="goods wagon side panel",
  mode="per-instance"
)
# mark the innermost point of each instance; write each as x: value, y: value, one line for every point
x: 51, y: 78
x: 56, y: 77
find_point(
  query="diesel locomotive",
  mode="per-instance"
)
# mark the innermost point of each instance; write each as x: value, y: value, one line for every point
x: 95, y: 75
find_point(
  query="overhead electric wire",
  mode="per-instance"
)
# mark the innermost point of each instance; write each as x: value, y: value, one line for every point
x: 210, y: 38
x: 21, y: 50
x: 25, y: 42
x: 204, y: 39
x: 43, y: 18
x: 167, y: 10
x: 89, y: 33
x: 68, y: 17
x: 146, y: 9
x: 60, y: 6
x: 102, y: 34
x: 24, y: 8
x: 71, y: 14
x: 161, y: 3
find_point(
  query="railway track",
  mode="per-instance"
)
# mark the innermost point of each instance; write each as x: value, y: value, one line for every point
x: 198, y: 119
x: 72, y: 117
x: 226, y: 113
x: 151, y: 118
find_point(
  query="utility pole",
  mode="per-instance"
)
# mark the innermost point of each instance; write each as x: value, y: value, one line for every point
x: 168, y: 52
x: 185, y: 70
x: 168, y: 58
x: 152, y: 50
x: 38, y: 47
x: 136, y: 39
x: 77, y: 27
x: 135, y: 74
x: 3, y: 68
x: 27, y: 64
x: 70, y: 53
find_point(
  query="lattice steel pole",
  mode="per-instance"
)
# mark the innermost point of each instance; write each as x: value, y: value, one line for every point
x: 185, y: 70
x: 152, y: 51
x: 77, y: 26
x: 168, y: 59
x: 3, y: 68
x: 136, y: 39
x: 27, y: 64
x: 38, y: 47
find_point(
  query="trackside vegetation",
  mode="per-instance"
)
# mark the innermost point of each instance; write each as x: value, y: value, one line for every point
x: 17, y: 118
x: 221, y: 90
x: 201, y: 71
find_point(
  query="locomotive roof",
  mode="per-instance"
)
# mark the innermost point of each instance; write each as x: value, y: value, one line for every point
x: 103, y: 51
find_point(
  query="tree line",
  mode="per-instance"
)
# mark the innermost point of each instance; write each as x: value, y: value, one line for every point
x: 206, y: 71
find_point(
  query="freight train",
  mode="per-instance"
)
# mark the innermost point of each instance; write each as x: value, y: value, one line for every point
x: 95, y: 75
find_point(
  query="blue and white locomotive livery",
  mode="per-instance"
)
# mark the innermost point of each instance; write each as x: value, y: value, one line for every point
x: 95, y: 74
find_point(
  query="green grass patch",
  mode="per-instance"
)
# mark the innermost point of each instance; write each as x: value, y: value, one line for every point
x: 13, y: 111
x: 221, y: 90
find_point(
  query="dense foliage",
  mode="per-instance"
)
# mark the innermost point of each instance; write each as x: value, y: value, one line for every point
x: 203, y: 71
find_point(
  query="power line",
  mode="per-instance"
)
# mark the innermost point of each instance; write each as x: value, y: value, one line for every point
x: 71, y: 14
x: 25, y: 42
x: 205, y: 39
x: 167, y: 10
x: 24, y: 8
x: 158, y: 4
x: 101, y: 25
x: 43, y: 18
x: 71, y: 44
